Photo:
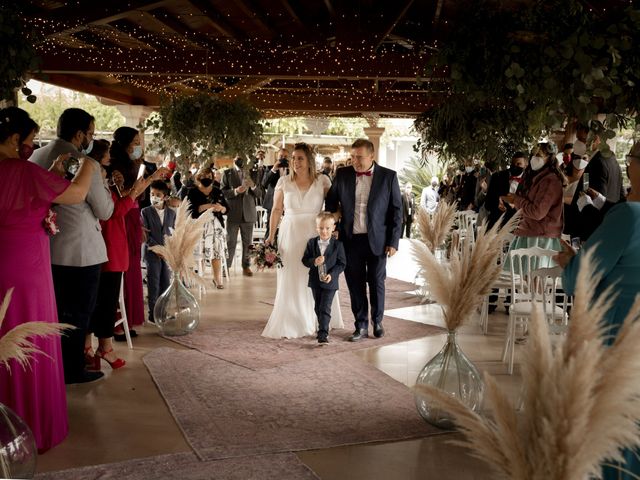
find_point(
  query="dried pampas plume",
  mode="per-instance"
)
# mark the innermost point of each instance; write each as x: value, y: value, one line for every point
x: 459, y: 286
x: 580, y: 398
x: 15, y: 344
x: 178, y: 248
x: 435, y: 228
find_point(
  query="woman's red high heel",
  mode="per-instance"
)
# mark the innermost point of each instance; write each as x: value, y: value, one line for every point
x: 100, y: 354
x: 90, y: 359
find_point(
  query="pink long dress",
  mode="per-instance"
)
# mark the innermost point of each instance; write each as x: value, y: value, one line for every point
x: 37, y: 393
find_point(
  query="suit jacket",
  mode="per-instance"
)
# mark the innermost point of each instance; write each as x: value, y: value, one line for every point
x: 80, y: 242
x: 408, y: 207
x: 242, y: 206
x: 384, y: 207
x: 155, y: 230
x: 605, y: 176
x: 498, y: 186
x: 335, y: 262
x: 269, y: 182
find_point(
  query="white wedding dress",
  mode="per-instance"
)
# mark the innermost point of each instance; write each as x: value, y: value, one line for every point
x: 293, y: 315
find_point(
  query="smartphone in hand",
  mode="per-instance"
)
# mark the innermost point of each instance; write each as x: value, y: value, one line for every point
x: 585, y: 181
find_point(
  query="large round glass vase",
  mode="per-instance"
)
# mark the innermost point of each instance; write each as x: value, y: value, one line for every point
x: 18, y: 450
x: 451, y: 371
x: 177, y: 311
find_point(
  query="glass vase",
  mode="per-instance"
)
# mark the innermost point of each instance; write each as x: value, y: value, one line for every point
x: 176, y: 311
x: 451, y: 371
x: 18, y: 450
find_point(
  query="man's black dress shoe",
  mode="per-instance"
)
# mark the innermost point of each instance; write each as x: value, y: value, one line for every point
x: 85, y: 377
x: 323, y: 341
x: 378, y: 331
x: 359, y: 335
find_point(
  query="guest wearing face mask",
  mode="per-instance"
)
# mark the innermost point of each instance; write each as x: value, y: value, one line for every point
x: 502, y: 183
x: 467, y: 190
x: 539, y: 201
x: 574, y: 171
x: 159, y: 221
x: 115, y: 238
x: 78, y: 251
x: 127, y: 158
x: 270, y: 180
x: 205, y: 196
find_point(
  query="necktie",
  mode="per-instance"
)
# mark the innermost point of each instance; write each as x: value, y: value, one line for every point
x: 515, y: 179
x: 366, y: 174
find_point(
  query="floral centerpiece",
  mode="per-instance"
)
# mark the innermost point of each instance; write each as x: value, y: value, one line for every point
x: 265, y: 256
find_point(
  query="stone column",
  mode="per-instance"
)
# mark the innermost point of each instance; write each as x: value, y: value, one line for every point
x: 134, y: 115
x: 374, y: 134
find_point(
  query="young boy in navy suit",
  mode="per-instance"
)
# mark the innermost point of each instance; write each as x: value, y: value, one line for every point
x: 326, y: 260
x: 158, y: 220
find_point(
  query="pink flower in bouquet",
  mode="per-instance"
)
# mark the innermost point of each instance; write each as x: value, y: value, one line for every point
x: 49, y: 223
x: 270, y: 257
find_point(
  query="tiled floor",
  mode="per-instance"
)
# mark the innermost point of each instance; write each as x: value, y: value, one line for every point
x: 123, y: 416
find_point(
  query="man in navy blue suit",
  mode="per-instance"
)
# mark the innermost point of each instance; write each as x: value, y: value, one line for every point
x: 366, y: 198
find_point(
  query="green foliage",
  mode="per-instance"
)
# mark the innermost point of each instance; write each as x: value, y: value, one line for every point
x: 518, y: 74
x: 51, y: 105
x: 419, y: 173
x: 203, y: 125
x: 348, y: 127
x: 17, y: 55
x: 285, y: 126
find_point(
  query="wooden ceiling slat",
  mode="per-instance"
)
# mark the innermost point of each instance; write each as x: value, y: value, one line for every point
x: 216, y: 20
x: 255, y: 14
x: 384, y: 32
x: 168, y: 22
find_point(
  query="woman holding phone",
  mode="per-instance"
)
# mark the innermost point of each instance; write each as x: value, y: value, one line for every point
x: 127, y: 158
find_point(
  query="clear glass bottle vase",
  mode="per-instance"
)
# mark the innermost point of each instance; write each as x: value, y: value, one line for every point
x: 18, y: 452
x: 176, y: 311
x: 451, y: 371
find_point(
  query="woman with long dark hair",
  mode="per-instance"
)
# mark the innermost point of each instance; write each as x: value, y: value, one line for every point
x: 126, y: 157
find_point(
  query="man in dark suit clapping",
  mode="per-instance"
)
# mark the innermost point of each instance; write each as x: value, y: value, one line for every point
x: 370, y: 205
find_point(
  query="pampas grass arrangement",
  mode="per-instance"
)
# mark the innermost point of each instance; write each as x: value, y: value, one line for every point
x: 460, y: 286
x: 178, y: 248
x: 15, y: 344
x: 434, y: 229
x: 580, y: 399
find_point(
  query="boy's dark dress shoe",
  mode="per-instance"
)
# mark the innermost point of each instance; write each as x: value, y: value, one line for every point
x: 359, y: 335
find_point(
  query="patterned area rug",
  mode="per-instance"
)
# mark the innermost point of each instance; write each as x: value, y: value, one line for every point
x: 186, y: 466
x: 228, y: 411
x: 239, y: 342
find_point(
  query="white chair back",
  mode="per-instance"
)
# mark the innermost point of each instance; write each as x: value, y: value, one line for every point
x: 547, y: 289
x: 522, y: 263
x: 467, y: 221
x: 260, y: 227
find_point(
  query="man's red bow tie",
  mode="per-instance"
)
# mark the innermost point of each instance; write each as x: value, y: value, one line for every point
x: 366, y: 174
x: 515, y: 179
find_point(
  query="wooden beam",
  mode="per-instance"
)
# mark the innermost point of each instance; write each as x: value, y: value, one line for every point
x: 292, y: 13
x: 213, y: 17
x: 135, y: 31
x: 103, y: 12
x: 316, y: 64
x: 255, y: 14
x: 168, y: 22
x: 330, y: 9
x: 245, y: 87
x: 388, y: 28
x: 118, y: 93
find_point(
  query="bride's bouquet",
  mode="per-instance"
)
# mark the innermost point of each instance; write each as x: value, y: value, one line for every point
x: 265, y: 256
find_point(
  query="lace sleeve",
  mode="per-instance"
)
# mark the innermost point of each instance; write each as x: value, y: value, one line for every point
x: 280, y: 184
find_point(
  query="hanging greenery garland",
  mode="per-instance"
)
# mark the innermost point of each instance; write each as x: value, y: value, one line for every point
x: 17, y: 55
x: 200, y: 126
x: 518, y: 74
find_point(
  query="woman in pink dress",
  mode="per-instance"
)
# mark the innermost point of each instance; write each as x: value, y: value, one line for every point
x: 36, y: 393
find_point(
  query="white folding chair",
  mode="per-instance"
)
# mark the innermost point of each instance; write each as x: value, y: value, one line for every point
x: 123, y: 315
x: 466, y: 221
x: 523, y: 263
x: 260, y: 227
x: 499, y: 288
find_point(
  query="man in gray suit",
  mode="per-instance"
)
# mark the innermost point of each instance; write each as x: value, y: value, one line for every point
x: 241, y: 194
x: 78, y: 251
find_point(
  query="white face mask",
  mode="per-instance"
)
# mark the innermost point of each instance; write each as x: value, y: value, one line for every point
x: 137, y: 152
x: 537, y: 163
x: 194, y: 171
x: 469, y: 169
x: 580, y: 164
x: 87, y: 150
x: 155, y: 201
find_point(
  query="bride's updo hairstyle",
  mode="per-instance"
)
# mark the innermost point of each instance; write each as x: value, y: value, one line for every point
x: 309, y: 153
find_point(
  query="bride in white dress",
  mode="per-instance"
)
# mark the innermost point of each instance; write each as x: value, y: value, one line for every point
x: 301, y: 196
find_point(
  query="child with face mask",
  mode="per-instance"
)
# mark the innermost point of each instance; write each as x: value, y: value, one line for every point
x: 158, y: 220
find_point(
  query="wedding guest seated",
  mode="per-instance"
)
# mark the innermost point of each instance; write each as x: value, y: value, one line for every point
x: 616, y: 243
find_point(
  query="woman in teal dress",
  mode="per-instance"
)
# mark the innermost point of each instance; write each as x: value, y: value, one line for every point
x: 617, y: 253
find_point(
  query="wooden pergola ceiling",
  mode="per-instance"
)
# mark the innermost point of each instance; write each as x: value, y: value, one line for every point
x: 287, y: 57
